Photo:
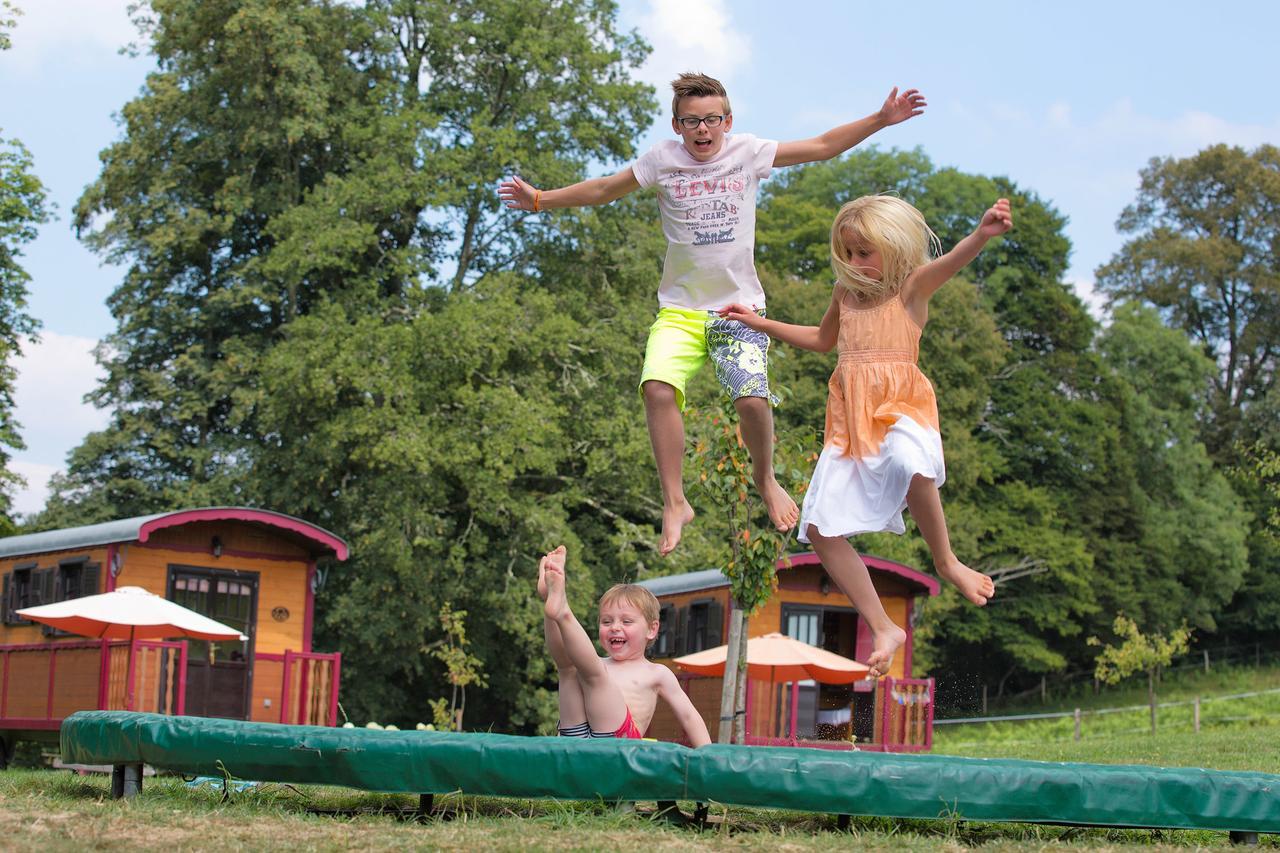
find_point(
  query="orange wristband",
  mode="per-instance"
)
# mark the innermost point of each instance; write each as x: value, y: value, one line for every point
x: 537, y: 196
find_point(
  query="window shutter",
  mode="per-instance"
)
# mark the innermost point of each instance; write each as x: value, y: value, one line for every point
x: 663, y: 645
x: 715, y: 624
x: 44, y: 582
x: 6, y: 606
x: 89, y: 579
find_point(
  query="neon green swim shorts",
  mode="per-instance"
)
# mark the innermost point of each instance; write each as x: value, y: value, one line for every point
x: 681, y: 340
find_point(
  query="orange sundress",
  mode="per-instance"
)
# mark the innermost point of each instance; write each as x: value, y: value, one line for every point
x: 882, y: 426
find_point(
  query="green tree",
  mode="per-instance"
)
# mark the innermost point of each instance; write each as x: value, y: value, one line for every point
x: 290, y: 154
x: 461, y: 667
x: 1139, y: 652
x: 1168, y: 532
x: 1204, y: 233
x: 23, y: 208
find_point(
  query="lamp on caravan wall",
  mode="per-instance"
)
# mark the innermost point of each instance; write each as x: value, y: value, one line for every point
x: 217, y: 546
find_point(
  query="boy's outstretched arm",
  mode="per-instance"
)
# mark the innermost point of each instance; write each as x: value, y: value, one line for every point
x: 896, y: 108
x: 925, y: 281
x: 695, y: 730
x: 820, y: 338
x: 517, y: 194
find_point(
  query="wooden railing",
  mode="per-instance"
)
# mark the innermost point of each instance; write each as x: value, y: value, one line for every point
x: 41, y: 683
x: 309, y: 695
x: 904, y: 715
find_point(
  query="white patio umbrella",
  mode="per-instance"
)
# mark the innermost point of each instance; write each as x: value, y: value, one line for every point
x: 129, y: 613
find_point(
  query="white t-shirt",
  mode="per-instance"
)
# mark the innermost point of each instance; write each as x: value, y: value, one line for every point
x: 709, y: 219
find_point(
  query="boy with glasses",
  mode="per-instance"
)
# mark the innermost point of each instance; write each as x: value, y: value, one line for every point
x: 707, y: 185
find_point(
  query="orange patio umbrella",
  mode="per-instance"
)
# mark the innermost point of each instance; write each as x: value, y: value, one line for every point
x: 779, y: 658
x: 129, y: 613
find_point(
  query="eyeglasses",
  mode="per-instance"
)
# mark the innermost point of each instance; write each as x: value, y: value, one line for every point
x: 692, y: 122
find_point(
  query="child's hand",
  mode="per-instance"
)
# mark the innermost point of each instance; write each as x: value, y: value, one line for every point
x: 517, y: 194
x: 553, y: 561
x: 997, y: 220
x: 897, y: 108
x: 744, y: 315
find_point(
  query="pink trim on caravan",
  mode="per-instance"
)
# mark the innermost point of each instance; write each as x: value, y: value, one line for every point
x: 879, y: 563
x: 261, y: 516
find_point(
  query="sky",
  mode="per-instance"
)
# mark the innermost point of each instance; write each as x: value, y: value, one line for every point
x: 1069, y: 100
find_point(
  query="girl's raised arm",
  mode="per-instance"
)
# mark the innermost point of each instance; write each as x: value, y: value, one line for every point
x: 820, y: 338
x: 925, y: 281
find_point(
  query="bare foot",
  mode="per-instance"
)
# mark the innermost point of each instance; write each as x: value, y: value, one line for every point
x: 783, y: 511
x: 973, y: 585
x: 886, y: 645
x: 556, y: 556
x: 674, y: 518
x: 551, y: 578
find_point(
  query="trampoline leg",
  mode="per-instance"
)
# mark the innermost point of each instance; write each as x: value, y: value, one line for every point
x: 126, y: 780
x: 425, y: 804
x: 1249, y: 838
x: 842, y: 822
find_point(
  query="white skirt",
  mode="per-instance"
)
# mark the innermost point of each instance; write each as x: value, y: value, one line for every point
x: 848, y: 496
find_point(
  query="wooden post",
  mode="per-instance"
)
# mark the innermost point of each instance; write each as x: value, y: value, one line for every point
x: 729, y: 692
x: 1196, y: 715
x: 740, y: 699
x: 1151, y: 697
x: 1206, y: 661
x: 1044, y: 691
x: 984, y: 700
x: 1077, y: 716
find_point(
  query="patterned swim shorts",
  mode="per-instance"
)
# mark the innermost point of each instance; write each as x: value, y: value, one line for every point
x: 681, y: 340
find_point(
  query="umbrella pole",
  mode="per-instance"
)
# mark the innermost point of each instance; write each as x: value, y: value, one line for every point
x: 128, y: 678
x: 795, y: 709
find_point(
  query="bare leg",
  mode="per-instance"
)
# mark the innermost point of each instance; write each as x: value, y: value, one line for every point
x: 926, y: 508
x: 573, y: 711
x: 757, y: 433
x: 666, y: 434
x: 850, y: 574
x: 606, y: 709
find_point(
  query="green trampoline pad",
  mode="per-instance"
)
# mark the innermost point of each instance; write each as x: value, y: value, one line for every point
x: 813, y: 780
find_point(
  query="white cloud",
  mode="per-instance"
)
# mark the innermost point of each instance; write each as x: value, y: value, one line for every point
x: 53, y: 377
x: 64, y: 30
x: 690, y: 37
x: 31, y: 498
x: 1094, y: 301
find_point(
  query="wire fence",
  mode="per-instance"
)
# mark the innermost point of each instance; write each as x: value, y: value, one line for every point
x: 1080, y: 715
x: 1207, y: 659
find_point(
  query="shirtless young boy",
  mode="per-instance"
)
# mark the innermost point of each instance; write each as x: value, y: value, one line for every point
x: 707, y: 184
x: 613, y: 696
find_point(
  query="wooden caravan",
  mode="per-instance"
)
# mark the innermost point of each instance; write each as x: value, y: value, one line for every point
x: 252, y: 569
x: 893, y: 714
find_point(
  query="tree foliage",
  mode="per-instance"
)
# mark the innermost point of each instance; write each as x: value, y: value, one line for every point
x: 1205, y: 232
x: 23, y: 208
x: 288, y: 155
x: 1139, y: 652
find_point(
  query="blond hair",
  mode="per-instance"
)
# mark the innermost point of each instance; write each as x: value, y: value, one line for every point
x: 691, y: 85
x: 890, y: 226
x: 637, y: 596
